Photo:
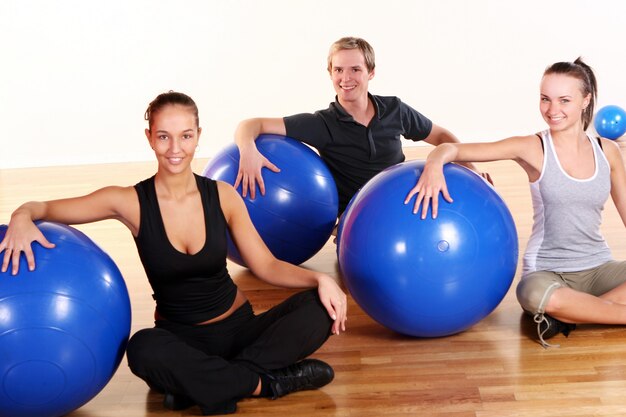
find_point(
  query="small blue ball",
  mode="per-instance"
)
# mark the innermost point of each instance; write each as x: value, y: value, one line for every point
x: 610, y: 122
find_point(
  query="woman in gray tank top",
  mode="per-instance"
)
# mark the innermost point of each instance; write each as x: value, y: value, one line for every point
x: 569, y: 275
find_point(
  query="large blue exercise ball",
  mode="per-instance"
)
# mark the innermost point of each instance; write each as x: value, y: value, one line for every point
x: 427, y: 278
x: 297, y: 214
x: 63, y: 326
x: 610, y: 122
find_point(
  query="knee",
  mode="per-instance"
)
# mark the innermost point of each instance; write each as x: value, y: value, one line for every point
x: 140, y: 343
x: 316, y: 309
x: 311, y: 311
x: 320, y: 320
x: 143, y: 350
x: 556, y: 300
x: 534, y: 295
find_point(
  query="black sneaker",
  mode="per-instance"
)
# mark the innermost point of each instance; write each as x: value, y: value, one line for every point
x: 304, y: 375
x: 548, y: 327
x: 177, y: 402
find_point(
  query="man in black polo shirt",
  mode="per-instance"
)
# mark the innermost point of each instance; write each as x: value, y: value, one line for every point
x: 359, y: 134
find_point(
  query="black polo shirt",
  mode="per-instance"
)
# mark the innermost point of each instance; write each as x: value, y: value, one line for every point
x: 355, y: 153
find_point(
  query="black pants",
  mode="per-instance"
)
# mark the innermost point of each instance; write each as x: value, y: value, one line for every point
x: 218, y: 364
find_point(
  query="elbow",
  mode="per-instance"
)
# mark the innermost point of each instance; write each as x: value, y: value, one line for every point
x: 444, y: 153
x: 264, y: 268
x: 247, y: 130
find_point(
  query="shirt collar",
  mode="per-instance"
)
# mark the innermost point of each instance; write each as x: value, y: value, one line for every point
x: 344, y: 116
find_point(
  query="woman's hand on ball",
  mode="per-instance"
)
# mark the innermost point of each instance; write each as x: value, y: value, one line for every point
x: 430, y: 183
x: 19, y: 236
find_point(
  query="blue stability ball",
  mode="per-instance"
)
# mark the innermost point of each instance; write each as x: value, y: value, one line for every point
x: 610, y: 122
x: 63, y: 327
x: 427, y: 278
x: 297, y: 214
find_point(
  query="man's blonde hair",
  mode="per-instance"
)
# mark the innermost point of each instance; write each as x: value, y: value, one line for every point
x: 351, y: 42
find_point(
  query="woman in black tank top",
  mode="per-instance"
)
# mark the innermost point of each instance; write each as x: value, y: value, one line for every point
x: 207, y: 347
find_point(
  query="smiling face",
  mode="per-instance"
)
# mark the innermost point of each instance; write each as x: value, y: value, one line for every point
x: 350, y: 75
x: 174, y: 136
x: 562, y: 101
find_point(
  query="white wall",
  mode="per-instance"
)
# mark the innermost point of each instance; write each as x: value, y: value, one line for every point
x: 77, y: 75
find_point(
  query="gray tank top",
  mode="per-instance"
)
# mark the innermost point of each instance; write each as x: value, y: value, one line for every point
x: 567, y: 215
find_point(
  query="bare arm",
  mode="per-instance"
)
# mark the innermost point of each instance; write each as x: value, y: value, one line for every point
x: 525, y: 150
x: 251, y: 162
x: 119, y: 203
x: 618, y: 176
x: 274, y: 271
x: 440, y: 135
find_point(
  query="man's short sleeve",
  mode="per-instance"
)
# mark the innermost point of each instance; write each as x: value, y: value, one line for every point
x: 308, y: 128
x: 416, y: 126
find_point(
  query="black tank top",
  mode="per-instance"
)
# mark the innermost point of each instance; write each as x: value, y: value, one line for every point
x: 187, y: 288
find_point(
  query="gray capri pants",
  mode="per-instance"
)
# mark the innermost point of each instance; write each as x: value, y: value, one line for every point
x: 534, y: 290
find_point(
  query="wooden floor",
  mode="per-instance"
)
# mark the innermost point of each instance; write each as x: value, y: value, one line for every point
x: 494, y: 369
